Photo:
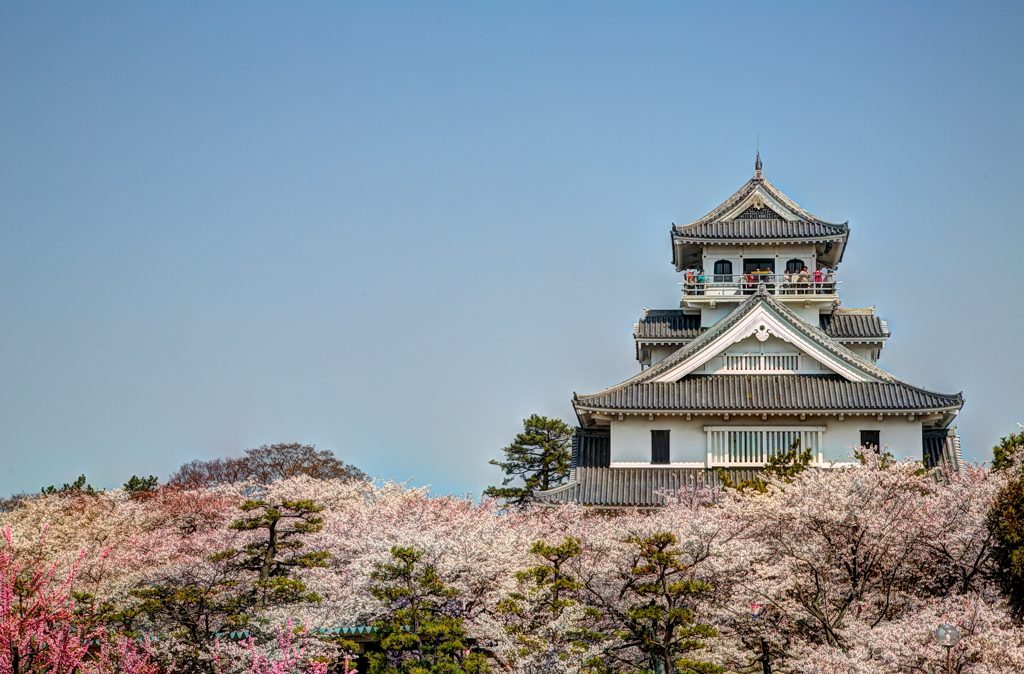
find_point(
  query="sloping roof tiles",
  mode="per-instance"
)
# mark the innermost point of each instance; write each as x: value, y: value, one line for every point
x: 768, y: 392
x: 632, y: 486
x: 674, y: 325
x: 850, y: 326
x: 761, y: 229
x: 812, y: 332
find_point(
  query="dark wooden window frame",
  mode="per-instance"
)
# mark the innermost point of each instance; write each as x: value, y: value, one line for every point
x: 871, y: 439
x: 723, y: 271
x: 660, y: 447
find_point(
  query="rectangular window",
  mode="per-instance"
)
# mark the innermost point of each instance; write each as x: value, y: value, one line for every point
x: 755, y: 446
x: 770, y: 362
x: 659, y: 447
x: 870, y: 439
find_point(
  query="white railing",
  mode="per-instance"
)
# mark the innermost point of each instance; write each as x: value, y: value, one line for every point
x: 746, y: 284
x: 755, y: 446
x: 766, y: 362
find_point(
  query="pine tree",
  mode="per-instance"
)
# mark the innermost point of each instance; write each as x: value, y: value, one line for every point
x: 420, y: 632
x: 540, y: 456
x: 656, y: 617
x: 783, y: 466
x: 1004, y: 455
x: 1006, y: 523
x: 196, y: 603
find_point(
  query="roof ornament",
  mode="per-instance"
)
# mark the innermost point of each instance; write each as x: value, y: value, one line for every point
x: 757, y: 162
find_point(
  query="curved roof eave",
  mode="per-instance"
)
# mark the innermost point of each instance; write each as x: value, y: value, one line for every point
x: 815, y: 333
x: 773, y: 191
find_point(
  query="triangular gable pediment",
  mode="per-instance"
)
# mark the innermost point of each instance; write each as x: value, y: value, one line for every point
x: 762, y: 322
x: 759, y: 201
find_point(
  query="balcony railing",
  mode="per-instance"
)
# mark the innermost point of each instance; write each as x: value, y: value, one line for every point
x: 719, y: 285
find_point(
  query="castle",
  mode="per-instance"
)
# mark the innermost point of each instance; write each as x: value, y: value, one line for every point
x: 759, y: 355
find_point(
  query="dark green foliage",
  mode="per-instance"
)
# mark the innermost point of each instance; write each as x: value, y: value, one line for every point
x: 77, y: 487
x: 139, y: 485
x: 783, y: 466
x: 1005, y: 454
x: 1006, y: 522
x: 644, y: 621
x: 539, y: 456
x: 200, y: 603
x: 658, y: 618
x: 547, y: 591
x: 283, y: 523
x: 420, y: 633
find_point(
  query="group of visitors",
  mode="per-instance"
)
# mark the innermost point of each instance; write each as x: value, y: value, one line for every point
x: 821, y: 281
x: 802, y: 281
x: 696, y: 281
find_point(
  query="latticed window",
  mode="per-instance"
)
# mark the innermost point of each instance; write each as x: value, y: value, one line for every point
x: 755, y: 446
x: 764, y: 213
x: 763, y: 362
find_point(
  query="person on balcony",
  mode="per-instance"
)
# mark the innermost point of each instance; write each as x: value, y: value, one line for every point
x: 830, y: 281
x: 689, y: 281
x: 701, y: 280
x: 804, y: 280
x: 819, y: 277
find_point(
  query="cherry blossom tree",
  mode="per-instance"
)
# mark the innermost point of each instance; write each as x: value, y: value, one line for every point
x: 42, y: 633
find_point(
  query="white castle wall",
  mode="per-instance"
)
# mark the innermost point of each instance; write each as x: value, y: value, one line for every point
x: 631, y: 438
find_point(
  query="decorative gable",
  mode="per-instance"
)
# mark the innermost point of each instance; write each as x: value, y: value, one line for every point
x: 763, y: 323
x: 759, y: 205
x: 755, y: 213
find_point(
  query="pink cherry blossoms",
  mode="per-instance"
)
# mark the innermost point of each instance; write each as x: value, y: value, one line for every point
x: 850, y: 570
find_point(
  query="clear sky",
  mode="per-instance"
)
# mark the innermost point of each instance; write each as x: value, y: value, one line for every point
x: 395, y: 230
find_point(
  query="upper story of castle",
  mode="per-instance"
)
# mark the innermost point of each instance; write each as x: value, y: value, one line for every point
x: 759, y: 235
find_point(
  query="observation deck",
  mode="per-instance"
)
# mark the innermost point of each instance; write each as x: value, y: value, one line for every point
x: 737, y: 287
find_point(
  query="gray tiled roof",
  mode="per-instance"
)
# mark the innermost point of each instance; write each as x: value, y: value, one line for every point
x: 760, y: 229
x: 632, y: 486
x: 668, y: 324
x: 771, y: 227
x: 851, y: 326
x: 812, y: 332
x: 768, y: 392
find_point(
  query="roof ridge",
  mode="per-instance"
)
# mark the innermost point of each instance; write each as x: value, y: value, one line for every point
x: 773, y: 191
x: 814, y: 333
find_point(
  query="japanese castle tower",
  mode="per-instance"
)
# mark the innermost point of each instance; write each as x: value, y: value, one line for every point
x: 759, y: 354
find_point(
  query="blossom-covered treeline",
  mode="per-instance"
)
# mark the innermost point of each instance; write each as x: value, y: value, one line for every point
x: 842, y: 570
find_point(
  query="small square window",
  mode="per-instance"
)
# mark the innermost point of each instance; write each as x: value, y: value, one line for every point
x: 870, y: 439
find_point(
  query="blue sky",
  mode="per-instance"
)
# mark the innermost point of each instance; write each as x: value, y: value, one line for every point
x: 395, y: 230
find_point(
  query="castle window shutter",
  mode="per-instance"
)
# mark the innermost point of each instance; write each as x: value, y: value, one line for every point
x: 659, y: 447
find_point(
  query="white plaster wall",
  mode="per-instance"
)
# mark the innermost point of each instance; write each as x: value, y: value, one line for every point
x: 708, y: 317
x: 902, y: 436
x: 810, y: 315
x: 781, y: 253
x: 771, y: 345
x: 659, y: 353
x: 631, y: 437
